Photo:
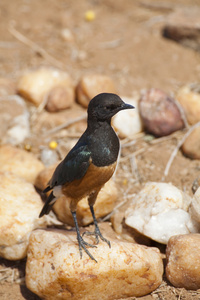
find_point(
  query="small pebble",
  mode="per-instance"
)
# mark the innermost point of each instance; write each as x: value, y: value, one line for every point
x: 191, y: 146
x: 53, y: 145
x: 14, y: 120
x: 49, y: 157
x: 160, y: 113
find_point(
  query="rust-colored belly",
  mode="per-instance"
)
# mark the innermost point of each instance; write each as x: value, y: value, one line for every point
x: 93, y: 180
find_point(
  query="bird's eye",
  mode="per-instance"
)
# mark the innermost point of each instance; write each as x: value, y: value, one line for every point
x: 110, y: 107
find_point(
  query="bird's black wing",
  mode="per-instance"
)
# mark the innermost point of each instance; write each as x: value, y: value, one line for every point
x: 74, y: 166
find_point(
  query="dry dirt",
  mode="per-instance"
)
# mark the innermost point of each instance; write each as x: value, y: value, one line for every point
x: 125, y: 42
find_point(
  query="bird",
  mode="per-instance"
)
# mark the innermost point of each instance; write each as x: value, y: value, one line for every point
x: 89, y: 164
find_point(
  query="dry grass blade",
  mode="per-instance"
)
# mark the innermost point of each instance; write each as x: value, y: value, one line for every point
x: 65, y: 125
x: 23, y: 39
x: 174, y: 153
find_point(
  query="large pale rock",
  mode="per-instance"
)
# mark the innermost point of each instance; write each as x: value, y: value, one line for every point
x: 14, y: 120
x: 104, y: 204
x: 20, y: 206
x: 46, y: 84
x: 191, y: 146
x: 159, y: 211
x: 54, y: 269
x: 189, y: 98
x: 183, y: 261
x: 160, y: 113
x: 128, y: 122
x: 91, y: 85
x: 19, y: 162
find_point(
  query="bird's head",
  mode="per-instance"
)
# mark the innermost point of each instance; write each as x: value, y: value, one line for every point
x: 104, y: 106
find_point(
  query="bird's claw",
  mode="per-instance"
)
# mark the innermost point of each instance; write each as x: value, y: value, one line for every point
x: 97, y: 234
x: 82, y: 245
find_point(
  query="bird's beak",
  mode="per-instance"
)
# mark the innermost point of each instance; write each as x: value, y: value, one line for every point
x: 127, y: 106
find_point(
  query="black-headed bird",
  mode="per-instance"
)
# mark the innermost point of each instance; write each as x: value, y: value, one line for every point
x: 89, y: 164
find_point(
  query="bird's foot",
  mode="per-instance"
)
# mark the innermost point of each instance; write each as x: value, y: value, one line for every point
x: 82, y: 245
x: 97, y: 233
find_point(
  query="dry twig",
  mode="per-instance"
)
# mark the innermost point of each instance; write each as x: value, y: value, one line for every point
x: 23, y: 39
x: 64, y: 125
x: 174, y: 153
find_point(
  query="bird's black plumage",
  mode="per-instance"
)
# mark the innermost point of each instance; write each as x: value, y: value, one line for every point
x: 91, y: 162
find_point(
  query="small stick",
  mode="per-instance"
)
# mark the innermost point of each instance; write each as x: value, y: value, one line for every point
x: 67, y: 124
x: 20, y: 37
x: 174, y: 153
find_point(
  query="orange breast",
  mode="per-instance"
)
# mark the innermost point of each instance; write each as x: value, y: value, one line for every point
x: 94, y: 179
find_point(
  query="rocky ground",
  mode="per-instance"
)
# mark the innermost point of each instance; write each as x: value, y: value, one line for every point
x: 124, y: 41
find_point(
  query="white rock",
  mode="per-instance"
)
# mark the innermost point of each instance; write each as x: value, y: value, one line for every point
x: 159, y: 211
x: 49, y: 157
x: 128, y: 122
x: 20, y: 206
x: 14, y: 122
x: 54, y: 269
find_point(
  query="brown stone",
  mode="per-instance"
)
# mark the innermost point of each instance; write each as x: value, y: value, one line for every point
x: 159, y: 112
x: 59, y: 98
x: 191, y: 146
x: 91, y: 85
x: 189, y: 98
x: 183, y: 27
x: 183, y: 261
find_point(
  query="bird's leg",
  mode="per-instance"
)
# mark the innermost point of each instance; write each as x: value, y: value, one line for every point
x: 82, y: 244
x: 97, y: 232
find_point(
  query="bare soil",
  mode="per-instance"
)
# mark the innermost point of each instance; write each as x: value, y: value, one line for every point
x: 125, y: 42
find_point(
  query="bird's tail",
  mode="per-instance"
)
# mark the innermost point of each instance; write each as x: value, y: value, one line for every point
x: 48, y: 205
